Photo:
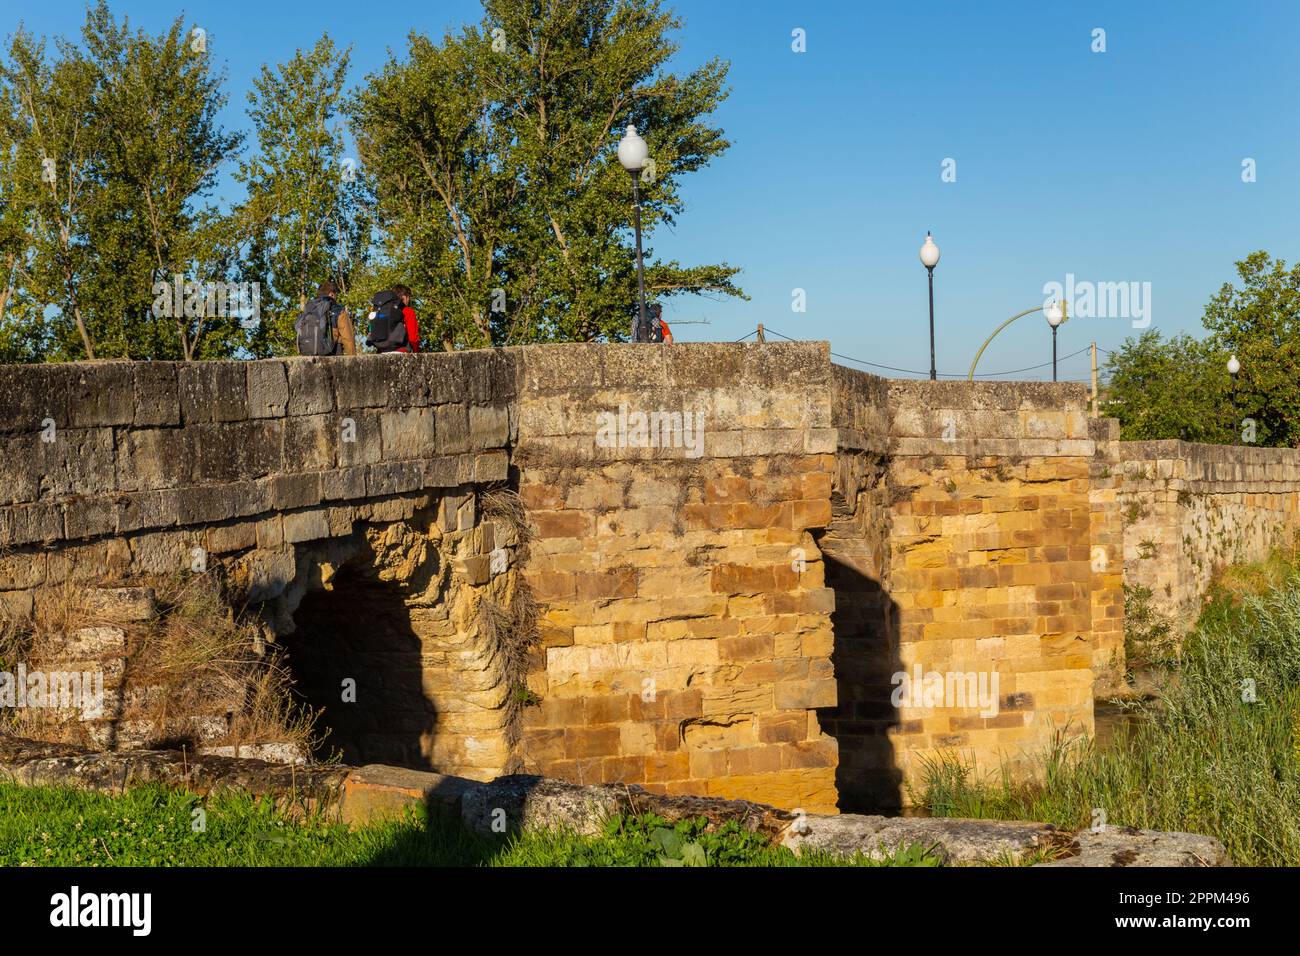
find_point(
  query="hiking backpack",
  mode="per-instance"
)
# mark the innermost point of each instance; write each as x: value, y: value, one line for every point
x: 315, y: 328
x: 387, y: 324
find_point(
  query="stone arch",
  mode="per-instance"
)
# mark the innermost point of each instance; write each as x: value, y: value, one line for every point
x: 409, y: 612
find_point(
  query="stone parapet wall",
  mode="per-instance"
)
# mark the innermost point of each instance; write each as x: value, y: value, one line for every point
x: 1191, y: 509
x: 1107, y: 558
x: 94, y: 450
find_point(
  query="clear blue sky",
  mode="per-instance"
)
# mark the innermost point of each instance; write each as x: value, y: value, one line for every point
x: 1115, y: 166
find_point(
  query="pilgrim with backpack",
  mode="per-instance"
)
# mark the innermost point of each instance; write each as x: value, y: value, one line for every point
x: 393, y: 325
x: 323, y: 327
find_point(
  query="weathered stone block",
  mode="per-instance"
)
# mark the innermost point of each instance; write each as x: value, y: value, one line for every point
x: 147, y: 509
x: 89, y: 517
x: 359, y: 437
x: 394, y: 478
x: 452, y: 426
x: 489, y: 426
x: 285, y: 492
x: 310, y: 391
x: 306, y: 526
x: 407, y: 433
x: 310, y: 442
x: 30, y: 524
x: 236, y: 451
x: 32, y: 395
x: 99, y: 394
x: 156, y: 399
x: 225, y: 539
x: 809, y: 694
x: 268, y: 389
x: 19, y: 471
x: 213, y: 391
x: 442, y: 472
x: 344, y: 484
x: 269, y: 573
x: 363, y: 381
x: 75, y: 462
x: 152, y: 458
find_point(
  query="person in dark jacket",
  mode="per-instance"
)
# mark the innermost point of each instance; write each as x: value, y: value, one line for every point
x: 408, y: 316
x: 325, y: 328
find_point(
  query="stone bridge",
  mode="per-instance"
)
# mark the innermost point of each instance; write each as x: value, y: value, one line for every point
x: 699, y: 568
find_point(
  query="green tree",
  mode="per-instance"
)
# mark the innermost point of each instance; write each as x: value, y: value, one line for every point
x: 160, y: 150
x: 1180, y: 388
x: 19, y: 341
x: 307, y: 215
x: 52, y: 188
x: 1175, y: 388
x: 493, y: 153
x: 1260, y: 323
x: 114, y: 142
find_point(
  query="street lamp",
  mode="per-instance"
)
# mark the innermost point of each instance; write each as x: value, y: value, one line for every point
x: 1055, y: 316
x: 634, y: 154
x: 930, y: 259
x: 1233, y: 366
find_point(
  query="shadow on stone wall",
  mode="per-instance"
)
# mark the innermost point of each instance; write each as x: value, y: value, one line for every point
x: 865, y: 659
x: 361, y: 629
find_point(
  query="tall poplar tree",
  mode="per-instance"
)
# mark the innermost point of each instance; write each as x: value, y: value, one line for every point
x: 494, y: 158
x: 114, y: 143
x: 306, y: 218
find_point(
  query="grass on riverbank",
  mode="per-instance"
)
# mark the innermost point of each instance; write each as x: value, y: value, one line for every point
x: 1207, y: 759
x: 151, y: 826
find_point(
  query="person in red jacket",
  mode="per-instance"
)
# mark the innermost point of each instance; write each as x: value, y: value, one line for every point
x: 408, y: 316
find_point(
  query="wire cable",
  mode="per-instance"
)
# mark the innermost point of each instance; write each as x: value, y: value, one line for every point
x: 909, y: 371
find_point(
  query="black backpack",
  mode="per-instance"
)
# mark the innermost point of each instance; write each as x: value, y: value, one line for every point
x: 316, y: 328
x: 387, y: 325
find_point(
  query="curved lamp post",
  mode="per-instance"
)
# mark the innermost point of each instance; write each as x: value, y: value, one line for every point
x: 970, y: 377
x: 930, y: 259
x: 633, y: 154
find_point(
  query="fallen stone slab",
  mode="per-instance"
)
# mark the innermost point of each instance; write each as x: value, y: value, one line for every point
x: 358, y: 795
x: 270, y: 752
x: 1129, y: 846
x: 534, y: 803
x: 952, y: 840
x: 38, y: 764
x: 353, y: 795
x: 89, y: 643
x: 376, y: 792
x: 524, y: 802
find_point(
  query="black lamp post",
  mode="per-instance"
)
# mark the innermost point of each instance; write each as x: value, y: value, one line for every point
x: 1055, y: 316
x: 930, y: 259
x: 634, y: 154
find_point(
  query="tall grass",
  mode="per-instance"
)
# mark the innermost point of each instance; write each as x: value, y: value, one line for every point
x: 1205, y: 759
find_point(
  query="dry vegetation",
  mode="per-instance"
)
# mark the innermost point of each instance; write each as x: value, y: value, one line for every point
x: 194, y: 673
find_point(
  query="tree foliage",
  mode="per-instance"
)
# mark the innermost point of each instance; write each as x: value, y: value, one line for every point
x: 494, y: 159
x: 112, y: 144
x: 486, y: 178
x: 1181, y: 387
x: 307, y: 217
x: 1170, y: 388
